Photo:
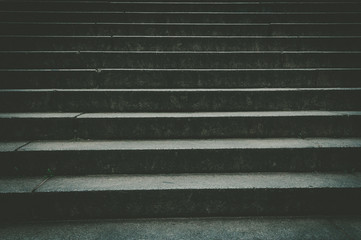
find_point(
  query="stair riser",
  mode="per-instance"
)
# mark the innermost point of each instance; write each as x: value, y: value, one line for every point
x: 182, y: 128
x: 179, y: 60
x: 180, y: 203
x: 177, y: 44
x: 181, y: 30
x: 182, y: 7
x: 178, y: 101
x: 37, y: 163
x: 179, y: 79
x: 179, y: 17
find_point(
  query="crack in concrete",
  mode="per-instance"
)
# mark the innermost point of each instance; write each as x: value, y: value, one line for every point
x: 40, y: 184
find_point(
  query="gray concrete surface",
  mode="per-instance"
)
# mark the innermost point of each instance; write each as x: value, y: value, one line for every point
x: 38, y: 115
x: 202, y: 181
x: 220, y: 114
x: 19, y: 185
x: 10, y: 146
x: 190, y: 144
x: 270, y: 228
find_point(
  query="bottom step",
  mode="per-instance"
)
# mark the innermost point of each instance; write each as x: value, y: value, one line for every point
x: 180, y: 195
x: 267, y: 228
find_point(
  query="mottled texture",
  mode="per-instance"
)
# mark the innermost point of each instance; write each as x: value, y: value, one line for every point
x: 19, y: 184
x: 266, y: 228
x: 180, y: 100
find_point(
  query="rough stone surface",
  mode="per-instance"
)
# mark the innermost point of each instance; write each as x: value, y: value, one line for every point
x: 202, y: 181
x: 19, y: 184
x: 351, y: 226
x: 38, y: 115
x: 190, y: 144
x: 220, y: 114
x: 10, y: 146
x: 269, y: 228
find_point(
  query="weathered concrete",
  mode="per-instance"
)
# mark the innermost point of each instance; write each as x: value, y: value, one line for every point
x: 192, y: 144
x: 187, y: 195
x: 300, y: 124
x: 275, y: 57
x: 186, y: 6
x: 180, y: 59
x: 219, y: 125
x: 179, y: 100
x: 181, y: 156
x: 165, y: 17
x: 180, y: 43
x: 202, y: 181
x: 267, y: 228
x: 180, y: 24
x: 19, y: 185
x: 178, y: 78
x: 24, y: 126
x: 10, y: 146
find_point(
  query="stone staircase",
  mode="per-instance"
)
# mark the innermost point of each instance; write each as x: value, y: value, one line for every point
x: 163, y: 109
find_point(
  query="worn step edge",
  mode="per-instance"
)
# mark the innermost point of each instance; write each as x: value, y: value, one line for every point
x: 190, y: 144
x: 103, y: 183
x: 180, y: 115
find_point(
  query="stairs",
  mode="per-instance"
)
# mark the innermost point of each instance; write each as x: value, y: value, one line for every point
x: 144, y: 109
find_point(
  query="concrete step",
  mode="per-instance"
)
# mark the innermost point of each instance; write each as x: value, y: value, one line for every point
x: 270, y: 228
x: 183, y: 195
x: 180, y: 43
x: 179, y: 156
x: 184, y: 6
x: 179, y: 59
x: 120, y: 126
x: 178, y: 17
x: 179, y: 78
x: 181, y: 29
x: 179, y: 100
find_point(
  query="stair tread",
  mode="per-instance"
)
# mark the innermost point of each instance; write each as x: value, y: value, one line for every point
x: 271, y: 228
x: 184, y: 181
x: 19, y: 185
x: 11, y: 146
x: 221, y: 114
x: 242, y: 143
x: 178, y: 114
